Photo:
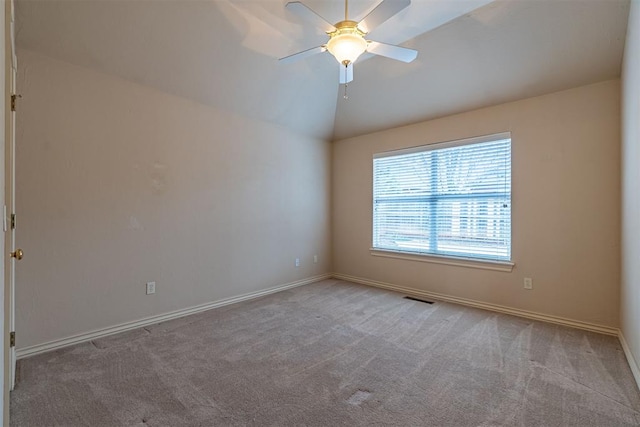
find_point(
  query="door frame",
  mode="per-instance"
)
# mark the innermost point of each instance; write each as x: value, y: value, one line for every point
x: 10, y: 187
x: 7, y: 20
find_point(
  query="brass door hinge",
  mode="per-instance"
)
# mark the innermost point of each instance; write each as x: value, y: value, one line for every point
x: 13, y: 221
x: 12, y: 339
x: 14, y: 97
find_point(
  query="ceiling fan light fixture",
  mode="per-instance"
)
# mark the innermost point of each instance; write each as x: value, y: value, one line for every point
x: 347, y: 43
x: 347, y: 38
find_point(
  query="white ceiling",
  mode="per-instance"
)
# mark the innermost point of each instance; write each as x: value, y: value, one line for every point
x: 223, y: 53
x: 504, y: 51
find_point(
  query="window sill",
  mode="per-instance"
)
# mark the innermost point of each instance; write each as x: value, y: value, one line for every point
x: 505, y: 266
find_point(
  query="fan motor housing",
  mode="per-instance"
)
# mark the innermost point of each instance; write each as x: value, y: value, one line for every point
x: 347, y: 27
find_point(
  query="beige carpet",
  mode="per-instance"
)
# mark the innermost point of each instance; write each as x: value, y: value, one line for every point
x: 332, y: 354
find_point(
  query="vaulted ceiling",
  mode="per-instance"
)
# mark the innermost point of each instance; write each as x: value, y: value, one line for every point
x: 223, y: 53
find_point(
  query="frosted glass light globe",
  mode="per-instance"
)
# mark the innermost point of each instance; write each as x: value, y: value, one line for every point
x: 346, y: 48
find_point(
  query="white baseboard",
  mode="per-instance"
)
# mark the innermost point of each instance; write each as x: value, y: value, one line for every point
x: 483, y: 305
x: 99, y: 333
x: 633, y: 364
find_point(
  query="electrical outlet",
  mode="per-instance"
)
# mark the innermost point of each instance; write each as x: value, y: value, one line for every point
x: 315, y: 259
x: 528, y: 283
x: 151, y: 288
x: 297, y: 262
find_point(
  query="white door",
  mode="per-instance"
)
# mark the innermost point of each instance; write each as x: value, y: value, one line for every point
x: 10, y: 198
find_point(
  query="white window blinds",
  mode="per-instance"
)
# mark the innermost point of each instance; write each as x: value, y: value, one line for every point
x: 451, y: 199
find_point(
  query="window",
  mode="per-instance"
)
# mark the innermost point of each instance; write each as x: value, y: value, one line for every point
x: 450, y: 199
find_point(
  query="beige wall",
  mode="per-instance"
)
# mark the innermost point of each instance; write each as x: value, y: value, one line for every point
x: 630, y: 290
x: 119, y: 184
x: 565, y: 205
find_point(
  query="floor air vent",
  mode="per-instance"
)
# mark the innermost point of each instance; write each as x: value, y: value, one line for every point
x: 419, y: 300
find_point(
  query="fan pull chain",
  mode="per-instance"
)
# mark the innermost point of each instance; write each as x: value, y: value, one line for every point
x: 346, y: 96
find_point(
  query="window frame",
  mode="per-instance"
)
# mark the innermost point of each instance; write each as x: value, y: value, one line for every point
x: 448, y: 259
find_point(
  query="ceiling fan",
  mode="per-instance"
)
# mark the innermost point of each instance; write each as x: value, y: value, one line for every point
x: 347, y: 38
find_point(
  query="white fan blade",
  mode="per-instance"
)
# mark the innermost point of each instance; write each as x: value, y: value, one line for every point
x: 346, y: 74
x: 304, y: 54
x: 391, y: 51
x: 305, y: 13
x: 385, y: 10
